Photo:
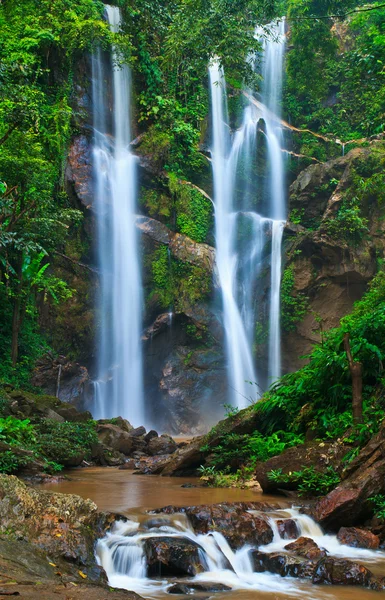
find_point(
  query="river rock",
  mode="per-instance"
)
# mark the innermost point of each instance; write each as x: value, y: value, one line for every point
x: 119, y: 422
x: 307, y: 548
x: 190, y: 588
x: 358, y: 538
x: 338, y: 571
x: 63, y: 527
x: 172, y: 556
x: 161, y: 445
x: 288, y: 529
x: 238, y: 526
x: 151, y: 435
x: 350, y: 502
x: 114, y: 437
x: 282, y: 564
x: 138, y: 431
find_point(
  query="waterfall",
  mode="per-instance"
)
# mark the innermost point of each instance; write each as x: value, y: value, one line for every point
x: 272, y: 73
x: 120, y: 385
x: 224, y: 160
x: 239, y: 263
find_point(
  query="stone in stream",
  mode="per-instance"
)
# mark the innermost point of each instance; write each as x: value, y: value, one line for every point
x: 282, y: 564
x: 338, y: 571
x: 191, y: 587
x: 172, y: 556
x: 161, y: 445
x: 138, y: 431
x: 358, y: 538
x: 307, y: 548
x: 232, y: 520
x: 116, y: 438
x: 288, y: 529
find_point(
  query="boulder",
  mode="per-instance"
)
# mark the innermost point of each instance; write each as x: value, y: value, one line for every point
x: 282, y: 564
x: 316, y: 453
x: 114, y: 437
x: 63, y: 527
x: 234, y: 521
x: 119, y: 422
x: 161, y: 445
x: 172, y: 556
x: 288, y: 529
x: 138, y: 431
x: 307, y: 548
x: 191, y: 588
x: 151, y: 435
x: 349, y: 502
x: 338, y: 571
x: 358, y: 538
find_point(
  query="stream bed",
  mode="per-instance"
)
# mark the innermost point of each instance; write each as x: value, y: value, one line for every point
x: 122, y: 556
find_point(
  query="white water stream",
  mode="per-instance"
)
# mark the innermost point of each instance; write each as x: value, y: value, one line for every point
x: 123, y: 558
x: 239, y: 264
x: 119, y: 386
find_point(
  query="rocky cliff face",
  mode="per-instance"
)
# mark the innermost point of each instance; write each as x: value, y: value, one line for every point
x: 334, y: 247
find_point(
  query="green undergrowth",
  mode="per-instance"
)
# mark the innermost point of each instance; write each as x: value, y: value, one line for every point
x: 309, y: 482
x: 314, y: 401
x: 54, y: 444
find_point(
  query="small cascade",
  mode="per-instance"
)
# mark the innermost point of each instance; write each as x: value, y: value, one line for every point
x: 307, y: 527
x: 119, y: 390
x: 122, y: 554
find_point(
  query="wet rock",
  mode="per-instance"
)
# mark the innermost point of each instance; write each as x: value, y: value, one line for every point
x: 106, y: 456
x: 288, y: 529
x: 151, y: 435
x: 79, y: 169
x: 64, y: 527
x: 338, y: 571
x: 181, y: 246
x: 350, y: 502
x: 139, y: 446
x: 161, y: 445
x: 317, y: 454
x: 138, y: 431
x: 129, y: 465
x: 307, y: 548
x: 191, y: 588
x: 238, y: 526
x: 119, y: 422
x: 188, y: 485
x: 282, y: 564
x: 358, y: 538
x: 59, y: 375
x: 114, y: 437
x: 172, y: 556
x: 24, y: 404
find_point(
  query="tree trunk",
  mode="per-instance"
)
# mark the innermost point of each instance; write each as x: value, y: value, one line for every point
x: 356, y: 373
x: 16, y: 317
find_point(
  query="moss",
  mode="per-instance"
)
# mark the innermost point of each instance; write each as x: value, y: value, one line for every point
x: 194, y: 212
x: 293, y: 304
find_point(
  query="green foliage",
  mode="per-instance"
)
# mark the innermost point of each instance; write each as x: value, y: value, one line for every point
x: 335, y: 81
x: 293, y: 304
x: 193, y: 210
x: 234, y: 449
x: 308, y: 481
x: 16, y: 432
x: 61, y: 442
x: 378, y: 504
x: 10, y: 462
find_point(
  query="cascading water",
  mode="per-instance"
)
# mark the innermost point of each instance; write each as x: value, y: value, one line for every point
x: 272, y: 73
x: 239, y: 264
x: 122, y: 554
x: 224, y: 158
x: 119, y: 388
